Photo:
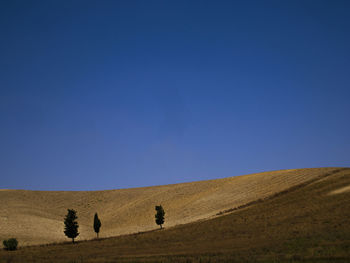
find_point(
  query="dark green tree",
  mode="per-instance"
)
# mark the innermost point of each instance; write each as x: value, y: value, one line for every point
x: 97, y: 224
x: 71, y: 225
x: 159, y: 215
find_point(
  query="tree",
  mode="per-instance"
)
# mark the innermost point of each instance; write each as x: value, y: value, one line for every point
x: 159, y: 215
x: 97, y: 224
x: 71, y: 225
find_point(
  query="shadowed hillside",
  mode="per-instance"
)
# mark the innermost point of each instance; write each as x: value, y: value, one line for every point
x: 35, y: 217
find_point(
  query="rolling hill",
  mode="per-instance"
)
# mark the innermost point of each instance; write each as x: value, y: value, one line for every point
x: 308, y: 222
x: 36, y: 217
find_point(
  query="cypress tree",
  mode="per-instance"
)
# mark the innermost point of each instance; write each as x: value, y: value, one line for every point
x: 159, y: 216
x: 71, y: 225
x: 97, y: 224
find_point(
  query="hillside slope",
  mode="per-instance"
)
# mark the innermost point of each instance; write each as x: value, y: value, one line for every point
x: 307, y: 223
x: 36, y: 217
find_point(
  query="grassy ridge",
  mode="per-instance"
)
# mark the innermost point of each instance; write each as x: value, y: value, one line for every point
x: 307, y: 223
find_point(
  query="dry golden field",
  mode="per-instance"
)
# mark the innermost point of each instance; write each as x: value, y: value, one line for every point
x: 308, y: 222
x: 36, y: 217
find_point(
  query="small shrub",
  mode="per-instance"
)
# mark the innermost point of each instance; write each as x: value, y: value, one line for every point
x: 10, y: 244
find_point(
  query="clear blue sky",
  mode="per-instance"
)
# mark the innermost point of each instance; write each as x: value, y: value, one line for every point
x: 117, y: 94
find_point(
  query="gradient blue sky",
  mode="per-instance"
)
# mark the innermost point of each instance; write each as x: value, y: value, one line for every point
x: 117, y: 94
